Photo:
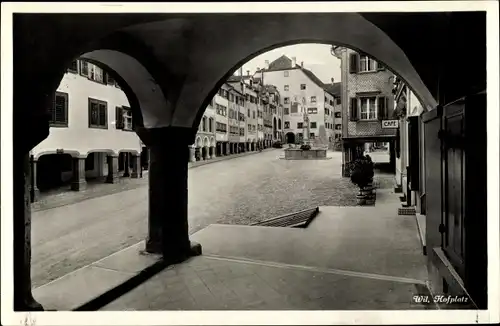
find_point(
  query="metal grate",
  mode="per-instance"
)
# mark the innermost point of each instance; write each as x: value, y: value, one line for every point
x: 300, y: 219
x: 407, y: 211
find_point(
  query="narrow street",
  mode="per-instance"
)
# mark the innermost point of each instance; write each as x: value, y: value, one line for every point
x: 237, y: 191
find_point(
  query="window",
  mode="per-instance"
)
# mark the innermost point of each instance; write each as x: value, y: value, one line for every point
x: 124, y: 118
x: 221, y: 127
x: 327, y: 111
x: 326, y: 99
x: 366, y: 63
x: 338, y: 126
x: 287, y: 124
x: 98, y: 114
x: 311, y: 135
x: 368, y: 108
x: 338, y: 115
x: 300, y: 125
x: 302, y: 87
x: 204, y: 124
x: 313, y: 125
x: 313, y: 99
x: 248, y: 113
x: 211, y: 125
x: 338, y: 100
x: 285, y: 111
x: 73, y: 67
x: 286, y: 100
x: 59, y: 110
x: 312, y: 110
x: 96, y: 73
x: 287, y: 88
x: 286, y: 73
x: 253, y: 114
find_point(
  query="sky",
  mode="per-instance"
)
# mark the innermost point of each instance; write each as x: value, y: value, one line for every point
x: 316, y: 57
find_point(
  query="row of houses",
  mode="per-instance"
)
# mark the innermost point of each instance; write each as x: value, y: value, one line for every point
x: 92, y: 136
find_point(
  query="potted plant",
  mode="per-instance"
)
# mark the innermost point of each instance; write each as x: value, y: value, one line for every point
x: 361, y: 171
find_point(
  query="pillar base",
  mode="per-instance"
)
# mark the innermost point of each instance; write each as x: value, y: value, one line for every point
x: 34, y: 194
x: 79, y: 186
x: 134, y: 175
x: 112, y: 179
x: 153, y: 247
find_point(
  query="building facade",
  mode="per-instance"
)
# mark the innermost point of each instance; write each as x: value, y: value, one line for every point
x: 368, y: 104
x: 301, y: 93
x: 88, y: 107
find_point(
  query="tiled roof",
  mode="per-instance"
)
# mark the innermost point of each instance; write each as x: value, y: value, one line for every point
x: 334, y: 88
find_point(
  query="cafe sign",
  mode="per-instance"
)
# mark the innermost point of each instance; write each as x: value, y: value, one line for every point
x: 390, y: 124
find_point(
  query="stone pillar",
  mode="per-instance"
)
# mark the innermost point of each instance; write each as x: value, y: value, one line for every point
x: 228, y: 151
x: 213, y: 150
x: 207, y: 153
x: 197, y: 153
x: 192, y: 154
x: 168, y: 194
x: 136, y: 165
x: 79, y: 182
x: 126, y: 169
x: 112, y: 169
x: 23, y: 297
x: 33, y: 188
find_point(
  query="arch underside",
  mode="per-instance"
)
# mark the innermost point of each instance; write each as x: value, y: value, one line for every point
x: 174, y: 65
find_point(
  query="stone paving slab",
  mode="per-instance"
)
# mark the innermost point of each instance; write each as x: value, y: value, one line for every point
x: 205, y: 283
x: 363, y: 239
x: 85, y: 284
x: 79, y: 287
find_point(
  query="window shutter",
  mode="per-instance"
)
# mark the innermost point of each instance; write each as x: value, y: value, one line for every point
x: 353, y: 63
x: 382, y: 107
x: 103, y: 119
x: 120, y: 123
x: 84, y: 68
x: 354, y: 109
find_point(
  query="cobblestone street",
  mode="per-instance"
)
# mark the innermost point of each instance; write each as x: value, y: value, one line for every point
x: 237, y: 191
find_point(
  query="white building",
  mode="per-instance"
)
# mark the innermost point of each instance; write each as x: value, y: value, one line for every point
x: 91, y: 134
x: 301, y: 91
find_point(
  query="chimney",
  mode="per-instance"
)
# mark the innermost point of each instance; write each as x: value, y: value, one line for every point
x: 333, y: 80
x: 241, y: 71
x: 248, y: 72
x: 302, y: 64
x: 294, y: 62
x: 266, y: 64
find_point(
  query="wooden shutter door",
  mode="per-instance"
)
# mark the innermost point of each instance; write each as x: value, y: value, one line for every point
x: 354, y: 109
x: 382, y: 108
x: 353, y: 63
x: 414, y: 152
x: 120, y: 123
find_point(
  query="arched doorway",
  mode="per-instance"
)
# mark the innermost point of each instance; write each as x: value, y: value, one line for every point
x: 290, y: 138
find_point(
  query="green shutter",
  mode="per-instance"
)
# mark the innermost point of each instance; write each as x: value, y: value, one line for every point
x: 354, y: 109
x: 120, y: 123
x: 382, y: 108
x: 353, y: 63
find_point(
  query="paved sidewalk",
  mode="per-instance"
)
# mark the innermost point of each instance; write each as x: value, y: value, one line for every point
x: 63, y: 197
x: 349, y: 258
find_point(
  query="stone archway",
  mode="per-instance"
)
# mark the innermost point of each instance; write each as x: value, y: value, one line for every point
x: 290, y: 138
x: 205, y: 151
x: 144, y: 41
